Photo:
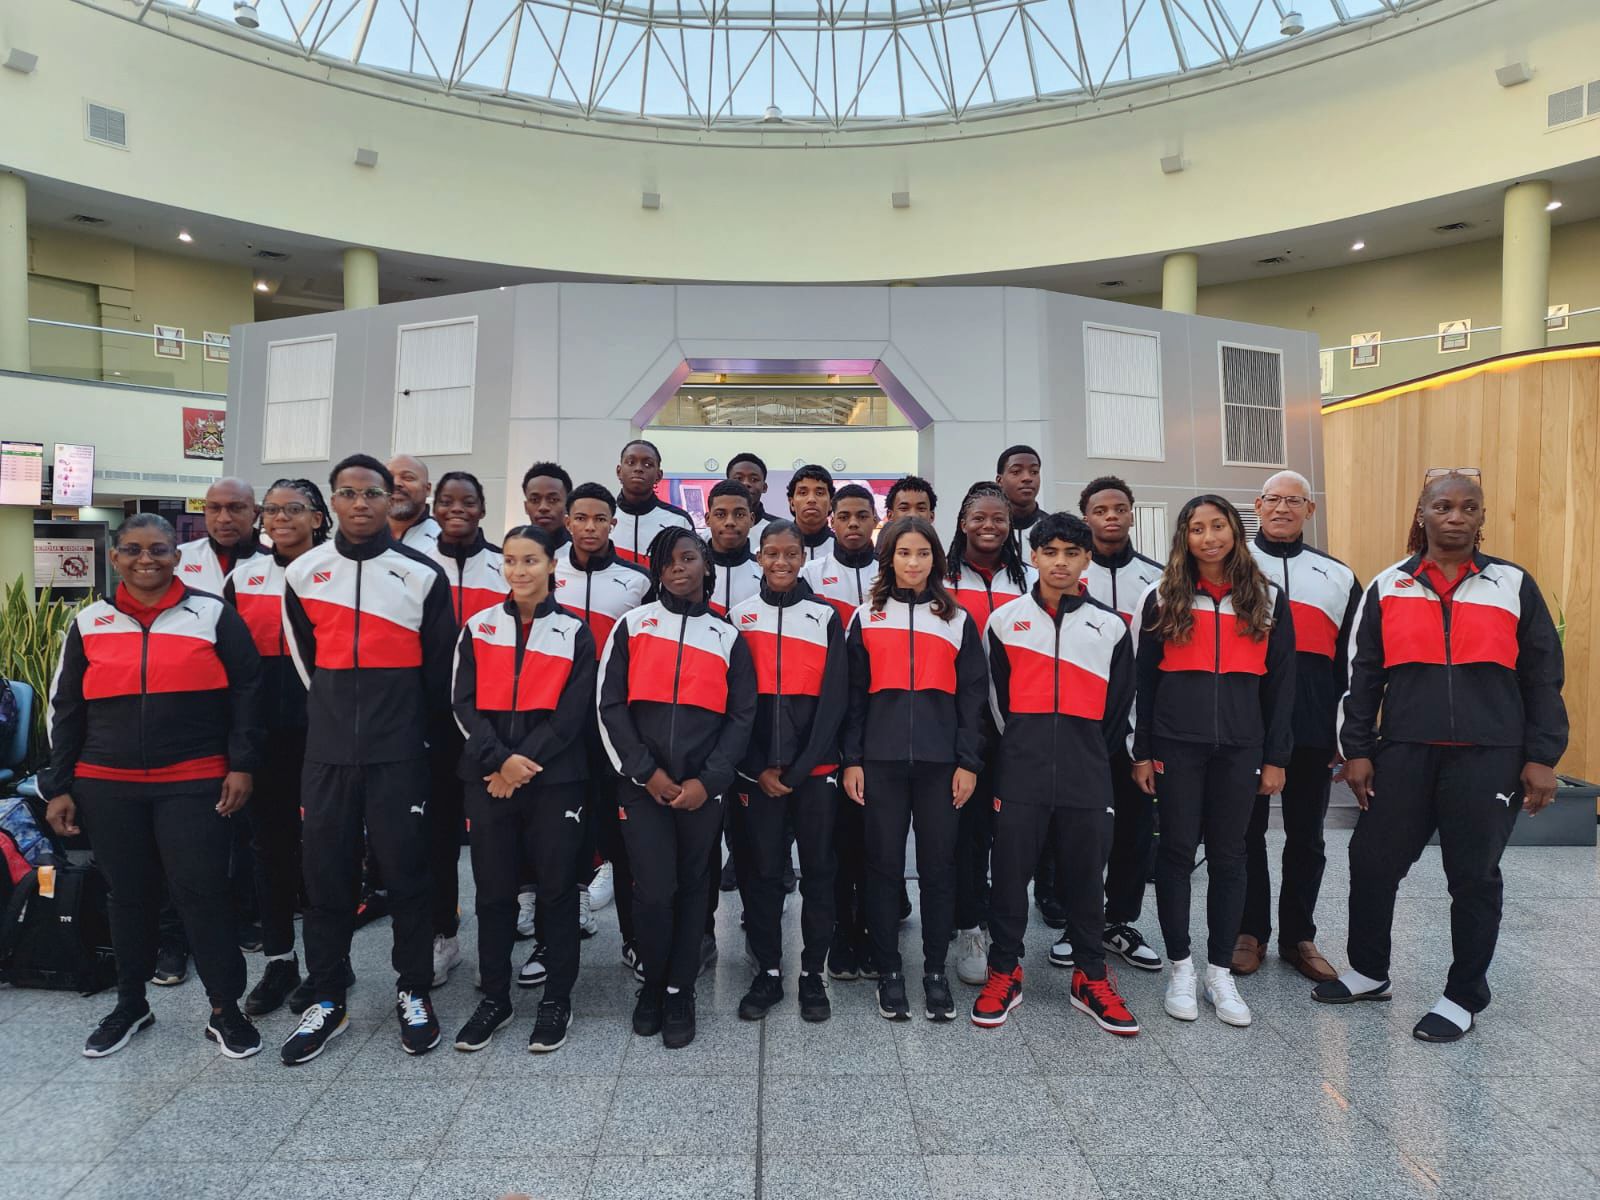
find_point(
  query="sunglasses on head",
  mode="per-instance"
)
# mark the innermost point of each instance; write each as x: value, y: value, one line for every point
x: 1445, y: 472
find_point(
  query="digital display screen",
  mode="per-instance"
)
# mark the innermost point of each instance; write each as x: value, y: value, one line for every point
x: 21, y: 473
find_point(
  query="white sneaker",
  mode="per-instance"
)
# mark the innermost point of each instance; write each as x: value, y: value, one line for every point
x: 1222, y: 993
x: 603, y: 890
x: 446, y: 954
x: 972, y: 956
x: 587, y: 925
x: 527, y: 907
x: 1061, y: 953
x: 1180, y: 1001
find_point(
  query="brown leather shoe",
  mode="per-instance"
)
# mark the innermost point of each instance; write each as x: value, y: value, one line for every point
x: 1247, y: 955
x: 1307, y: 959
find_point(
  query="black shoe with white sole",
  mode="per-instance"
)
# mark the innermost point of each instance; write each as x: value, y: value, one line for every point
x: 892, y: 1002
x: 1130, y: 944
x: 487, y: 1019
x: 938, y: 1004
x: 278, y: 982
x: 533, y: 971
x: 550, y: 1027
x: 419, y: 1027
x: 319, y: 1024
x: 765, y: 991
x: 304, y: 996
x: 172, y: 967
x: 117, y: 1030
x: 1061, y: 954
x: 842, y: 961
x: 1337, y: 991
x: 234, y: 1033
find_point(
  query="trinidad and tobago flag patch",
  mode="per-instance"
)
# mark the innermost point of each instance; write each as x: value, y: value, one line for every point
x: 1406, y: 582
x: 321, y: 576
x: 1021, y: 626
x: 744, y: 799
x: 486, y: 628
x: 749, y: 618
x: 192, y: 567
x: 997, y: 804
x: 648, y: 623
x: 827, y: 579
x: 108, y: 619
x: 879, y: 616
x: 1160, y: 767
x: 255, y: 581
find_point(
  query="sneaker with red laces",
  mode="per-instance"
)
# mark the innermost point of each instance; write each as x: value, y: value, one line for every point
x: 1099, y: 998
x: 999, y: 996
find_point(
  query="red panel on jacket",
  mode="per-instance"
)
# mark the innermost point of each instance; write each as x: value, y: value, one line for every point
x: 803, y: 663
x: 1234, y: 653
x: 653, y: 659
x: 1033, y: 688
x: 383, y: 643
x: 891, y: 650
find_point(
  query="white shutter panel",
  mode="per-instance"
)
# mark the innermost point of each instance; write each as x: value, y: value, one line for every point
x: 299, y: 399
x: 1252, y: 406
x: 1122, y: 368
x: 434, y: 380
x: 1150, y: 530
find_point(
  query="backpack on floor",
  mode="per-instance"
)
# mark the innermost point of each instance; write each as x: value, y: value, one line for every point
x: 56, y: 932
x: 24, y: 844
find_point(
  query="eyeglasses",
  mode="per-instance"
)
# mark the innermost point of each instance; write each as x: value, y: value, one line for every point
x: 1272, y: 500
x: 1445, y: 472
x: 132, y: 553
x: 372, y: 493
x: 238, y: 508
x: 293, y: 509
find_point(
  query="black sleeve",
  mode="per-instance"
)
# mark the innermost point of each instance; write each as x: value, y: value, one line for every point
x: 230, y: 595
x: 1148, y: 649
x: 1540, y: 672
x: 1341, y: 650
x: 483, y: 749
x: 722, y: 763
x: 565, y: 726
x: 300, y: 635
x: 972, y: 691
x: 852, y: 733
x: 68, y: 717
x: 626, y: 749
x: 1277, y: 687
x: 999, y: 680
x: 1358, y: 711
x: 823, y: 738
x: 247, y: 733
x: 438, y: 635
x: 1120, y: 688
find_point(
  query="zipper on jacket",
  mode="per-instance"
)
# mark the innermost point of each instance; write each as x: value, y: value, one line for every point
x: 1449, y: 666
x: 588, y: 593
x: 1114, y: 590
x: 911, y: 682
x: 355, y: 654
x: 144, y: 688
x: 1216, y: 676
x: 1055, y: 707
x: 861, y: 592
x: 461, y: 592
x: 677, y: 678
x: 777, y: 702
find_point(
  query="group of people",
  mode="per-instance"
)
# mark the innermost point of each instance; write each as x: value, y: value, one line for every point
x: 605, y: 697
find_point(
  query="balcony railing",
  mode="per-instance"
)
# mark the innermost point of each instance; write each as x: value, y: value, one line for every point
x: 68, y: 350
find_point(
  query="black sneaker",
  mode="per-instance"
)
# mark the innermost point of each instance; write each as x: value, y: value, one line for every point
x: 765, y: 991
x: 842, y: 961
x: 868, y: 957
x: 491, y: 1016
x: 419, y: 1028
x: 814, y: 1004
x: 374, y: 906
x: 233, y: 1032
x: 647, y: 1012
x: 939, y: 1005
x: 729, y: 880
x: 1129, y: 942
x: 550, y: 1027
x: 304, y: 996
x: 533, y: 972
x: 790, y: 883
x: 708, y: 952
x: 280, y: 980
x: 1062, y: 954
x: 1053, y: 912
x: 905, y: 903
x: 677, y: 1026
x: 117, y: 1030
x: 172, y: 967
x: 319, y: 1024
x: 250, y: 938
x: 892, y: 1002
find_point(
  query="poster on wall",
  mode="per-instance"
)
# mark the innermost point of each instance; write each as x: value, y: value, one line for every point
x: 169, y: 341
x: 63, y: 563
x: 202, y: 432
x: 72, y: 479
x: 216, y: 346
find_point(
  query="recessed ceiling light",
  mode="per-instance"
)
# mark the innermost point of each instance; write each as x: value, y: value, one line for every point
x: 185, y: 237
x: 1358, y: 245
x: 261, y: 285
x: 1552, y: 206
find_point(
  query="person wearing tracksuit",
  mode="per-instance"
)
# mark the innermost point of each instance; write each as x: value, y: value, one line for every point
x: 1457, y: 651
x: 297, y: 519
x: 751, y: 470
x: 912, y: 746
x: 472, y: 564
x: 677, y: 696
x: 1117, y: 576
x: 1062, y: 682
x: 786, y: 778
x: 986, y: 572
x: 369, y: 624
x: 522, y: 690
x: 641, y: 514
x: 811, y: 501
x: 1323, y: 595
x: 154, y: 738
x: 1214, y: 646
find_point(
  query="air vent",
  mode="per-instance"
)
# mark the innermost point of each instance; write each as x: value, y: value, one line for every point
x: 1564, y: 106
x: 1113, y: 283
x: 271, y: 255
x: 108, y: 126
x: 430, y: 278
x: 86, y: 219
x: 1453, y: 227
x: 1274, y: 261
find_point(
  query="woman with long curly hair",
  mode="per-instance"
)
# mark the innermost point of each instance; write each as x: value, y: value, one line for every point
x: 1215, y: 652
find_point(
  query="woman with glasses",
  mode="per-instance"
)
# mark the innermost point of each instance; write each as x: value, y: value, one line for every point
x: 295, y: 518
x: 154, y: 738
x: 1458, y: 653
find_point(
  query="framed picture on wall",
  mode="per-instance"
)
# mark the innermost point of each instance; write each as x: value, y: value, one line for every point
x: 1454, y: 336
x: 1364, y: 349
x: 216, y: 346
x: 169, y: 341
x: 1556, y: 317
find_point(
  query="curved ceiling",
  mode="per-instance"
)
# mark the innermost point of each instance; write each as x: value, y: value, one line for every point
x: 835, y: 64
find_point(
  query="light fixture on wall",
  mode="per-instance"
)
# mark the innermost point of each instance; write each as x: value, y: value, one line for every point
x: 185, y: 236
x: 244, y: 14
x: 1292, y: 24
x: 900, y: 199
x: 773, y: 115
x: 1358, y: 246
x: 1512, y: 74
x: 263, y: 286
x: 1172, y: 164
x: 20, y: 61
x: 366, y: 157
x: 650, y: 200
x: 1552, y: 206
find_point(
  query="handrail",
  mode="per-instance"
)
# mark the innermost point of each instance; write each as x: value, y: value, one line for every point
x: 1434, y: 337
x: 154, y: 337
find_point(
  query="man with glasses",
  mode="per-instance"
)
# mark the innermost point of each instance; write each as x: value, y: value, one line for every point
x: 409, y: 521
x: 1323, y: 594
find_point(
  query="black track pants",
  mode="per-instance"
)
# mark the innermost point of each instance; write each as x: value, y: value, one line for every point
x: 974, y: 837
x: 605, y: 793
x: 1307, y: 783
x: 764, y: 822
x: 1080, y: 840
x: 670, y: 852
x: 898, y: 794
x: 445, y: 816
x: 274, y: 816
x: 850, y: 872
x: 1128, y: 869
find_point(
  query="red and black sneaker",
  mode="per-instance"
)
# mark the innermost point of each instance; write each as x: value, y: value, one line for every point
x: 1098, y: 998
x: 999, y: 996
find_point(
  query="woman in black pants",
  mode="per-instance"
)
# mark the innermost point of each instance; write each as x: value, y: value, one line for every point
x: 913, y: 748
x: 154, y: 736
x: 1215, y: 658
x: 296, y: 518
x: 677, y: 696
x: 523, y: 687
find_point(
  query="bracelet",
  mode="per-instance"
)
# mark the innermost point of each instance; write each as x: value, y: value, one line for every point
x: 1143, y: 762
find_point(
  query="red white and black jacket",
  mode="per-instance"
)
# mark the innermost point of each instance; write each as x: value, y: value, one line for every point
x: 763, y: 519
x: 980, y: 593
x: 1484, y: 668
x: 1020, y: 527
x: 738, y: 579
x: 167, y: 693
x: 524, y: 689
x: 917, y: 685
x: 371, y: 631
x: 473, y: 569
x: 1061, y: 688
x: 843, y: 578
x: 1323, y: 594
x: 637, y: 526
x: 1219, y: 688
x: 255, y: 589
x: 796, y: 644
x: 422, y: 535
x: 600, y: 591
x: 1118, y: 580
x: 204, y: 566
x: 817, y: 545
x: 677, y: 691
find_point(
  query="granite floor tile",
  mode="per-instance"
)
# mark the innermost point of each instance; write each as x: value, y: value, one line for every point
x: 1169, y: 1176
x: 1312, y: 1115
x: 122, y: 1177
x: 1066, y: 1042
x: 1018, y: 1117
x: 1485, y: 1177
x: 723, y: 1045
x: 596, y: 1044
x: 377, y: 1178
x: 1011, y: 1177
x: 1427, y: 1119
x: 844, y: 1177
x: 1207, y: 1047
x: 842, y: 1045
x: 1562, y: 1113
x: 212, y: 1121
x: 15, y: 1093
x: 548, y: 1177
x: 681, y: 1114
x: 505, y: 1118
x: 104, y: 1115
x: 961, y: 1048
x: 40, y: 1180
x: 838, y: 1115
x: 1138, y: 1117
x: 673, y: 1177
x: 378, y: 1118
x: 1364, y: 1177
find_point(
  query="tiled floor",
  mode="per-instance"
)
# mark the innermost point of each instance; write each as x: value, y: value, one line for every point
x: 1308, y: 1102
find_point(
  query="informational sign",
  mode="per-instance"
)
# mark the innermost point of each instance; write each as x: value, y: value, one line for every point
x: 202, y: 432
x: 72, y: 480
x: 22, y: 473
x: 63, y: 563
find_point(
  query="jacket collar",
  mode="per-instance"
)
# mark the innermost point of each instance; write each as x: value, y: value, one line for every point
x: 854, y: 559
x: 907, y: 596
x: 145, y: 614
x: 813, y: 540
x: 1069, y: 603
x: 650, y: 503
x: 682, y: 608
x: 1115, y: 561
x: 1279, y: 549
x: 543, y: 609
x: 465, y: 550
x: 800, y: 591
x: 1413, y: 566
x: 231, y: 556
x: 597, y: 562
x: 734, y: 558
x: 362, y: 551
